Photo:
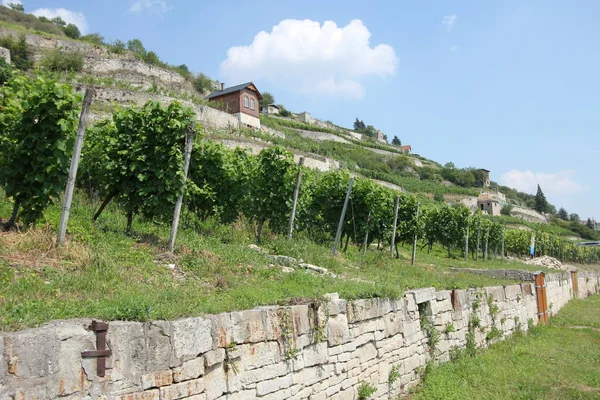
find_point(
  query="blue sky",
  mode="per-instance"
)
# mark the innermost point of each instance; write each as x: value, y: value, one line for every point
x: 511, y: 86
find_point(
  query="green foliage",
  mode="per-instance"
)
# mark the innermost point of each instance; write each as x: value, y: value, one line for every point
x: 138, y: 156
x: 5, y: 72
x: 439, y: 197
x: 39, y: 120
x: 57, y: 60
x: 449, y: 328
x: 366, y: 390
x: 16, y: 18
x: 72, y: 31
x: 20, y: 53
x: 432, y: 333
x: 267, y: 99
x: 506, y: 210
x: 563, y: 214
x: 396, y: 141
x: 137, y: 48
x: 117, y: 47
x: 541, y: 204
x: 283, y: 111
x: 203, y: 83
x: 17, y: 7
x: 394, y: 374
x: 93, y: 38
x: 152, y: 58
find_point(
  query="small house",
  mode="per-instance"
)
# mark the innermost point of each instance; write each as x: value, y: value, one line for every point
x: 380, y: 136
x: 406, y: 149
x: 271, y: 109
x: 241, y: 101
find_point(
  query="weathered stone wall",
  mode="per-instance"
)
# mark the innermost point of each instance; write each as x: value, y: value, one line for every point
x: 321, y: 350
x: 5, y: 54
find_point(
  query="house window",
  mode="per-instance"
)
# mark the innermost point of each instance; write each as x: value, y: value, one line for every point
x: 252, y: 104
x: 246, y: 101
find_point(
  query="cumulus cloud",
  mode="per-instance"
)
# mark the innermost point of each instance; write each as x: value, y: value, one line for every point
x: 557, y: 184
x: 70, y: 17
x: 157, y: 6
x: 449, y: 21
x: 305, y: 56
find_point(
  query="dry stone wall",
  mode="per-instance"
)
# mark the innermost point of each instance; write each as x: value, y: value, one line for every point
x: 323, y: 350
x: 5, y: 54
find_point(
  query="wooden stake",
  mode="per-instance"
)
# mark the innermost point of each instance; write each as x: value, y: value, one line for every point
x: 478, y: 240
x: 395, y: 225
x: 502, y: 242
x: 295, y: 200
x: 414, y: 250
x: 189, y: 140
x: 487, y: 239
x: 341, y: 224
x: 367, y: 234
x: 70, y: 188
x: 467, y: 244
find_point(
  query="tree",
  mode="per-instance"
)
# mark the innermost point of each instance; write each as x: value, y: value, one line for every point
x: 72, y: 31
x: 574, y: 218
x: 268, y: 98
x: 94, y: 38
x: 449, y: 165
x: 359, y: 126
x: 38, y: 132
x: 152, y: 58
x: 506, y: 210
x: 20, y: 54
x: 136, y: 47
x: 563, y: 214
x: 589, y: 224
x: 17, y: 7
x: 396, y: 141
x: 541, y: 204
x: 58, y: 21
x: 203, y: 83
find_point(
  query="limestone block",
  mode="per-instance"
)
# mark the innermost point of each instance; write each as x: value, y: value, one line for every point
x: 337, y: 330
x: 279, y: 395
x: 364, y: 338
x: 73, y: 338
x: 248, y: 326
x: 215, y: 382
x: 331, y: 296
x: 157, y: 379
x: 182, y: 390
x: 158, y: 343
x: 257, y: 355
x: 497, y: 292
x: 32, y: 353
x: 312, y: 375
x: 366, y: 352
x: 392, y: 324
x: 273, y: 322
x: 422, y: 295
x: 337, y: 307
x: 315, y: 354
x: 360, y: 310
x: 512, y: 291
x: 214, y: 357
x: 221, y: 330
x: 5, y: 54
x: 300, y: 316
x: 146, y: 395
x: 371, y: 325
x: 191, y: 369
x: 191, y: 337
x: 442, y: 295
x: 273, y: 385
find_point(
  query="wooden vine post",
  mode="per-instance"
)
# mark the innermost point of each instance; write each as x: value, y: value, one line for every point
x: 341, y: 224
x: 414, y: 249
x: 395, y: 225
x: 295, y: 199
x: 189, y: 141
x: 70, y: 188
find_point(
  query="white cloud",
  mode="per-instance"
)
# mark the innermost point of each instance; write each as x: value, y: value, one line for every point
x: 6, y: 3
x: 554, y: 184
x: 157, y: 6
x: 453, y: 48
x: 449, y: 21
x: 305, y: 56
x: 70, y: 17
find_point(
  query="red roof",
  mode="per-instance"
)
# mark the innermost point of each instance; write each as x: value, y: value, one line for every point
x: 406, y: 148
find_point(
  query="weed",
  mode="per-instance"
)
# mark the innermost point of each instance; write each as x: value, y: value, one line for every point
x: 431, y: 332
x: 394, y: 374
x: 494, y: 333
x: 366, y: 390
x: 449, y: 328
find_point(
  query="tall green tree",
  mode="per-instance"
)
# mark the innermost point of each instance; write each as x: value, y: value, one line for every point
x: 574, y: 218
x: 589, y: 223
x: 136, y: 47
x: 563, y: 214
x: 541, y: 204
x: 396, y: 141
x: 268, y: 98
x: 17, y: 7
x: 72, y: 31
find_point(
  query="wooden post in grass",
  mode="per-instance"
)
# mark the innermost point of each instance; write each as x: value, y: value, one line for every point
x: 189, y: 140
x: 397, y: 202
x: 414, y: 250
x: 295, y: 200
x: 365, y: 243
x: 478, y: 240
x: 341, y: 224
x: 467, y: 244
x: 70, y: 188
x: 502, y: 242
x: 487, y: 240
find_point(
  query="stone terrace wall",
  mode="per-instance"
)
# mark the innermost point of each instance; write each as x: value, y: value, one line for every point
x: 317, y: 351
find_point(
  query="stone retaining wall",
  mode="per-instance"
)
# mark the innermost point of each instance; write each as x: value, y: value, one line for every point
x: 322, y: 350
x: 5, y: 54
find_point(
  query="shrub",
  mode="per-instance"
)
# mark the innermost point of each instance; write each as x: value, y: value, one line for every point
x: 117, y: 47
x: 72, y: 31
x: 202, y: 83
x: 152, y: 58
x: 20, y: 53
x: 506, y: 210
x: 94, y: 38
x: 5, y: 71
x: 57, y: 60
x: 439, y: 197
x: 366, y: 390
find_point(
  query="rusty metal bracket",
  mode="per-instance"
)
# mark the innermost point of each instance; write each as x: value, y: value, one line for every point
x: 101, y: 351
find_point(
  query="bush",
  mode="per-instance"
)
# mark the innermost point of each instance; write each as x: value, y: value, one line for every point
x: 72, y: 31
x: 506, y: 210
x: 285, y: 113
x: 29, y: 21
x: 57, y: 60
x: 117, y: 47
x: 20, y: 53
x: 94, y: 38
x: 439, y: 197
x: 203, y: 83
x: 5, y: 71
x: 152, y: 58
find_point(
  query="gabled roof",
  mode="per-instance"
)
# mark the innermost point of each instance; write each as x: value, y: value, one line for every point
x: 408, y: 147
x: 234, y: 89
x: 274, y: 105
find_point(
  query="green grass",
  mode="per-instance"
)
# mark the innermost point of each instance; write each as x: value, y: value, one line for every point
x: 104, y: 273
x: 557, y: 361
